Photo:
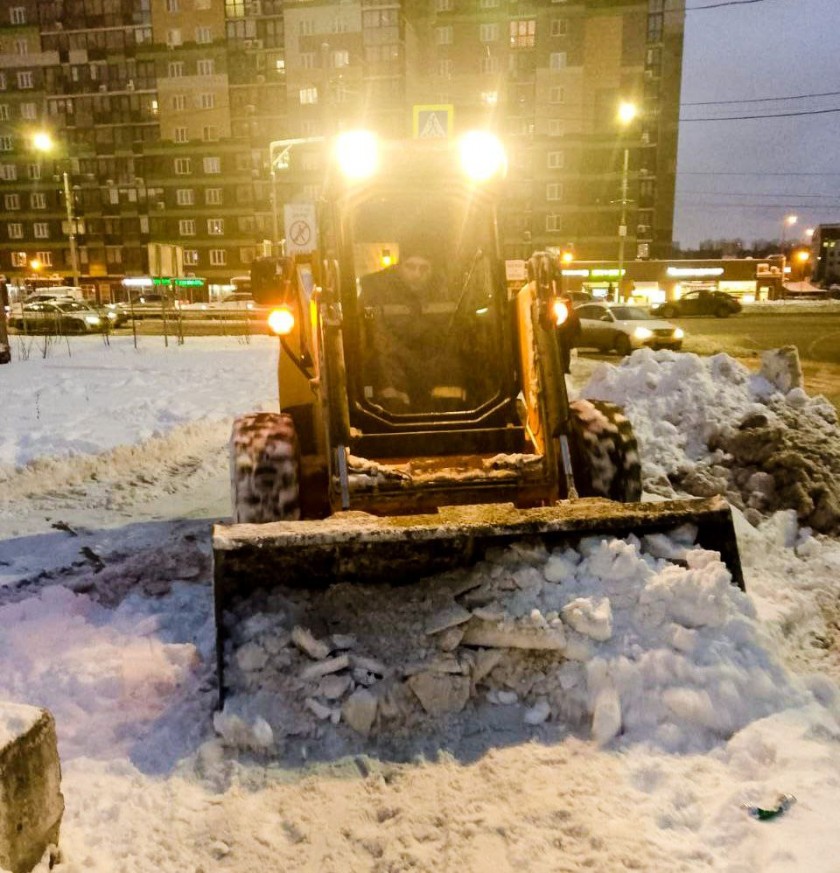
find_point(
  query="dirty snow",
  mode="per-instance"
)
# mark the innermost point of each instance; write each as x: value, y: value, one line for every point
x: 687, y: 699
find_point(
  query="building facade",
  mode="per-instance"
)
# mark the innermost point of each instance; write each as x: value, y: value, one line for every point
x: 162, y: 113
x: 825, y: 255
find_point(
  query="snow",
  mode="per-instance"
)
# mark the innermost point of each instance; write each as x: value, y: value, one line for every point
x: 693, y: 700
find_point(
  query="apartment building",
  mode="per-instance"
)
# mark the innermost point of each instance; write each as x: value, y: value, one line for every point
x: 162, y: 113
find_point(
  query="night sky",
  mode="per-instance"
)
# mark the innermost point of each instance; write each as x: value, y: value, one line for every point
x: 738, y: 179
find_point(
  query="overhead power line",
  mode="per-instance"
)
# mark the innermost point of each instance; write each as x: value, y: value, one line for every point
x: 801, y: 194
x: 746, y: 173
x: 768, y: 115
x: 762, y: 99
x: 722, y: 3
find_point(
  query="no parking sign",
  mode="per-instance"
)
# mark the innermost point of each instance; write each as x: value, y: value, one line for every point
x: 301, y: 232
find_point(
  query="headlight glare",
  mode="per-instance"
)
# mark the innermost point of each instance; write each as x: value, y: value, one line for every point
x: 357, y: 152
x: 679, y: 333
x: 561, y: 312
x: 482, y: 155
x: 642, y: 333
x: 281, y: 321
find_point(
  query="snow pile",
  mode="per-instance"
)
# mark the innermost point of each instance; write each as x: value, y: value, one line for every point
x: 709, y: 426
x: 612, y: 637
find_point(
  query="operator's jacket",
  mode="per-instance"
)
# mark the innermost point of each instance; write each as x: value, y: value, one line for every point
x: 410, y: 350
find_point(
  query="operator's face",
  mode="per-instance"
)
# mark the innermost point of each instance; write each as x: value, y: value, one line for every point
x: 416, y: 272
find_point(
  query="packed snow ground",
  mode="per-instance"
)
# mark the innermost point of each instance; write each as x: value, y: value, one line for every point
x: 693, y: 701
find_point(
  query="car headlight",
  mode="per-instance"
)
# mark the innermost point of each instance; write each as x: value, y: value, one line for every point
x: 92, y: 319
x: 482, y: 155
x: 281, y: 321
x: 358, y: 154
x: 642, y: 333
x: 679, y: 333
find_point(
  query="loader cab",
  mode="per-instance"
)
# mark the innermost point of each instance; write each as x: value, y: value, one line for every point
x: 424, y: 304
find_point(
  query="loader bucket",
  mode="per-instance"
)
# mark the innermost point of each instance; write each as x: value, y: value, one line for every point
x: 356, y: 546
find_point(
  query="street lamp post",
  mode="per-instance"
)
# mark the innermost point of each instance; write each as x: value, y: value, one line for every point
x: 789, y: 221
x: 43, y: 143
x: 626, y: 113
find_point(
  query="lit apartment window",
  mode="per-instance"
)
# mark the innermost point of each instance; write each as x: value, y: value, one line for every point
x: 175, y: 69
x: 308, y: 95
x: 45, y: 258
x: 203, y: 35
x: 186, y: 226
x: 218, y: 257
x: 113, y: 255
x: 212, y: 165
x: 488, y: 32
x: 179, y: 102
x: 555, y: 127
x: 11, y: 201
x: 41, y: 229
x: 185, y: 196
x: 4, y: 112
x: 215, y: 226
x: 556, y: 95
x: 559, y: 27
x: 29, y: 111
x: 523, y: 33
x: 38, y: 200
x: 557, y: 61
x: 17, y: 15
x: 443, y: 35
x: 181, y: 134
x: 210, y: 133
x: 341, y: 58
x: 8, y: 172
x: 173, y: 6
x: 307, y: 60
x: 173, y: 37
x: 190, y: 257
x: 6, y: 143
x: 24, y: 79
x: 553, y: 222
x: 19, y: 259
x: 554, y: 191
x: 183, y: 167
x: 306, y: 27
x: 21, y: 46
x: 213, y: 197
x: 556, y: 160
x: 247, y: 254
x: 33, y: 171
x: 207, y: 101
x: 206, y: 67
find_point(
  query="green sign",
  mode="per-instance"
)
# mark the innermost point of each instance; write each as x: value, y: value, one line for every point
x: 181, y: 283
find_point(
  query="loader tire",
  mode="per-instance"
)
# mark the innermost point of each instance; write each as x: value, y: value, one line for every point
x: 264, y: 469
x: 605, y: 454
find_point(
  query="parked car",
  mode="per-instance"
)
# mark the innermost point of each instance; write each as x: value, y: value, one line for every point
x: 700, y: 302
x: 619, y: 327
x: 59, y: 317
x: 149, y: 305
x: 237, y: 302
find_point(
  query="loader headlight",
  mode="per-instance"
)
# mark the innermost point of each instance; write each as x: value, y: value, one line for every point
x: 679, y: 333
x: 281, y: 321
x: 561, y: 311
x: 482, y: 155
x: 642, y: 333
x: 357, y: 152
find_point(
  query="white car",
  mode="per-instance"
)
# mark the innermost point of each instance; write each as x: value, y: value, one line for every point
x: 622, y: 328
x: 239, y: 301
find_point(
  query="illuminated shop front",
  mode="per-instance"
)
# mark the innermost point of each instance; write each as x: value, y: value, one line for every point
x: 650, y: 282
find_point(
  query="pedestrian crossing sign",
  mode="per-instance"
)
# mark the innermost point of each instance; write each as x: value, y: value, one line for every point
x: 433, y: 122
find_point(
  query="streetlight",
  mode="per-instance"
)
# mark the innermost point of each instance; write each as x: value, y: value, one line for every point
x: 43, y: 143
x: 626, y: 113
x: 789, y: 221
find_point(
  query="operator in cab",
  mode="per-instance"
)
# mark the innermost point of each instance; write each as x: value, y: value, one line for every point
x: 410, y: 363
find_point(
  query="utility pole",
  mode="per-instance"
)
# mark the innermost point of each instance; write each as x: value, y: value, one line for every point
x: 71, y: 228
x: 5, y: 348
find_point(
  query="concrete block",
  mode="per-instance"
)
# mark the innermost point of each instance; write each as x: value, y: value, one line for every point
x: 31, y: 803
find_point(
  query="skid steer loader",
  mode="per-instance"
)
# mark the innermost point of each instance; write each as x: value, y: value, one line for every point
x: 424, y: 410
